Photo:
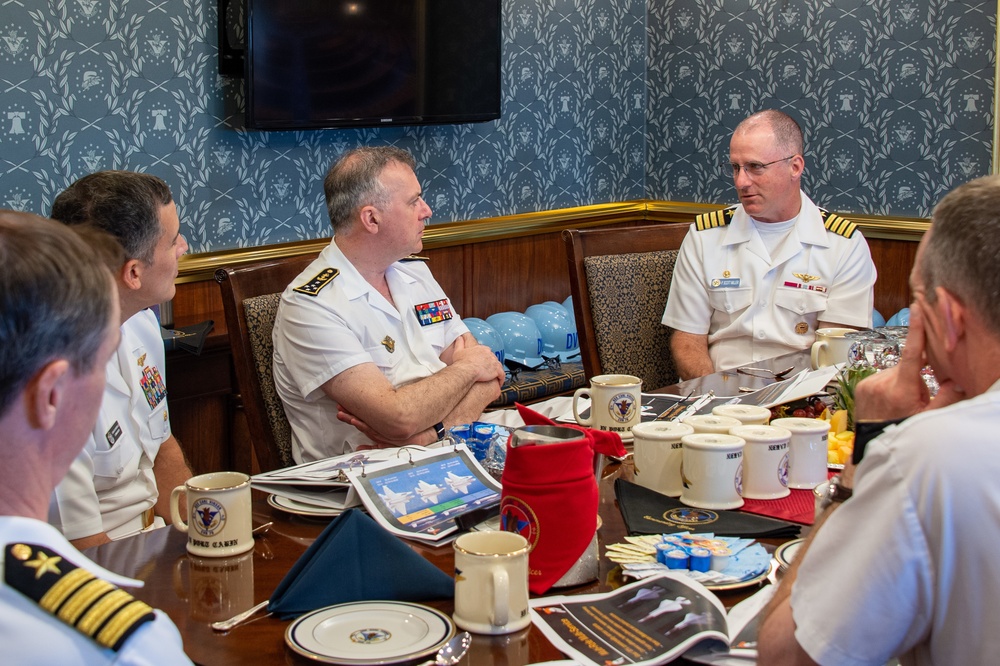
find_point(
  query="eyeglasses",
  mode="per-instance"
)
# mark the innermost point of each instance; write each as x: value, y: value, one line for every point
x: 751, y: 169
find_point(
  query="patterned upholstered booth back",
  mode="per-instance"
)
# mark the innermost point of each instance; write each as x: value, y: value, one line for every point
x: 627, y: 295
x: 260, y: 313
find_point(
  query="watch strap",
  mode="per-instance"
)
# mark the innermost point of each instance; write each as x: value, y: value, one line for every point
x: 866, y: 431
x: 440, y: 431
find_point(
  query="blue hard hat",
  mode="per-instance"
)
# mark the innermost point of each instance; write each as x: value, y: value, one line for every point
x: 568, y: 304
x: 522, y: 342
x: 557, y: 328
x: 877, y: 319
x: 486, y: 335
x: 901, y: 318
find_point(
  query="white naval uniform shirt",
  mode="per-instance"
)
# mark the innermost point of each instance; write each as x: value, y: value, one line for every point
x: 345, y: 324
x: 111, y: 481
x: 752, y: 307
x: 907, y: 566
x: 31, y: 635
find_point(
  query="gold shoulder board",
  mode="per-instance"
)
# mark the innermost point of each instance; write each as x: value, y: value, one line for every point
x: 92, y: 606
x: 414, y: 257
x: 837, y: 224
x: 315, y: 285
x: 717, y: 218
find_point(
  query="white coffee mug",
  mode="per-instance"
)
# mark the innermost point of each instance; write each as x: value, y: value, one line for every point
x: 712, y: 471
x: 807, y: 453
x: 745, y: 414
x: 830, y: 347
x: 657, y: 453
x: 219, y: 514
x: 765, y: 461
x: 712, y: 424
x: 491, y: 582
x: 615, y: 404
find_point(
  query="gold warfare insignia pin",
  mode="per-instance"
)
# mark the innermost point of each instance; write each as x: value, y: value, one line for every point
x: 389, y: 344
x: 805, y: 277
x: 802, y: 328
x: 726, y: 274
x: 20, y: 551
x: 141, y: 361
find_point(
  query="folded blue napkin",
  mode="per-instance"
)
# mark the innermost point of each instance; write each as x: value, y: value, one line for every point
x: 354, y: 559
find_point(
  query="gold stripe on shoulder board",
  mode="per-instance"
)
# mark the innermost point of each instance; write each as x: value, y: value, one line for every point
x: 837, y: 224
x: 414, y: 257
x: 717, y: 218
x: 91, y: 605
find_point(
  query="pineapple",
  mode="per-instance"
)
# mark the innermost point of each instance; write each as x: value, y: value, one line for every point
x: 843, y: 396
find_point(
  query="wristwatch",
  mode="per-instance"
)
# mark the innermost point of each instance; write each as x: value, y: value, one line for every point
x: 831, y: 492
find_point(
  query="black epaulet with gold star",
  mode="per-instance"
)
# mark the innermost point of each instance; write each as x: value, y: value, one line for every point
x: 837, y: 224
x: 315, y: 285
x: 717, y: 218
x: 92, y: 606
x: 414, y: 257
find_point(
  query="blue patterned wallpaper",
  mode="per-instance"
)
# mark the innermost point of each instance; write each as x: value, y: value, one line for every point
x: 600, y: 104
x: 895, y: 98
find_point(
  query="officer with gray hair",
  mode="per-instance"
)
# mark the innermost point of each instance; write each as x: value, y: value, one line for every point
x: 902, y: 563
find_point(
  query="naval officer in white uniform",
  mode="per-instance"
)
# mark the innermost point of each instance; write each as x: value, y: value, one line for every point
x: 368, y: 349
x: 121, y: 482
x: 755, y: 281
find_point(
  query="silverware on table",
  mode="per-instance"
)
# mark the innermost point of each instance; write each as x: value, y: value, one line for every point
x: 770, y: 373
x: 452, y: 651
x: 673, y: 409
x: 240, y: 618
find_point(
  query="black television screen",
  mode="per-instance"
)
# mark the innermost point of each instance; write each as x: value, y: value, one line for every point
x: 365, y: 63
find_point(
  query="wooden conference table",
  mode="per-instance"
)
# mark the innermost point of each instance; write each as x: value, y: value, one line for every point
x: 195, y: 592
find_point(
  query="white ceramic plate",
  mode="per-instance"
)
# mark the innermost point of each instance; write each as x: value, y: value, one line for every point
x: 737, y: 585
x: 301, y: 508
x: 786, y: 552
x: 369, y: 632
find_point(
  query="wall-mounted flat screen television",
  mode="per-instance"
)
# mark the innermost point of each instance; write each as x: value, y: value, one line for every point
x: 367, y: 63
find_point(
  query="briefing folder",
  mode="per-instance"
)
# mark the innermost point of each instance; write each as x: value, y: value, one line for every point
x: 322, y: 482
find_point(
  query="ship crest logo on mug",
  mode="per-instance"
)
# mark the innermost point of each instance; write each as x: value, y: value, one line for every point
x: 739, y: 480
x: 211, y: 516
x: 783, y: 471
x: 688, y: 516
x: 622, y: 407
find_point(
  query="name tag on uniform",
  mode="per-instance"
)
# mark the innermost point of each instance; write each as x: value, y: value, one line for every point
x: 113, y: 434
x: 433, y: 312
x: 725, y: 283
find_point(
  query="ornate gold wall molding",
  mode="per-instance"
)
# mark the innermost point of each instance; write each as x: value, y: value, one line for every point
x: 199, y: 267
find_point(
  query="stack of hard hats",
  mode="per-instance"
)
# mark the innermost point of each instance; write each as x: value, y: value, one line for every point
x: 557, y: 328
x: 544, y: 331
x: 486, y: 335
x: 522, y: 342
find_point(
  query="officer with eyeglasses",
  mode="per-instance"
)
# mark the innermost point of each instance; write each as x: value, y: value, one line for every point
x: 756, y: 280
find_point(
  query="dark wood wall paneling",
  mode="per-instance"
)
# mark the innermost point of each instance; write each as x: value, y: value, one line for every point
x: 481, y: 279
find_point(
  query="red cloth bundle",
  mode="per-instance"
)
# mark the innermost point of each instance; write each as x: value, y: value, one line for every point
x: 550, y: 497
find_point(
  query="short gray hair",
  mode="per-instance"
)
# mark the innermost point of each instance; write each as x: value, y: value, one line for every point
x: 961, y: 253
x: 786, y: 130
x: 56, y: 299
x: 126, y: 204
x: 353, y: 181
